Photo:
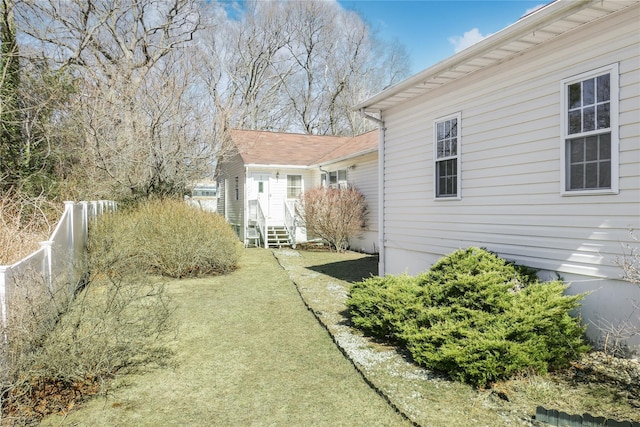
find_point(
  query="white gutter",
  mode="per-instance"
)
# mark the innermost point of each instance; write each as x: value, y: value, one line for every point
x: 529, y: 24
x: 258, y: 165
x: 347, y: 157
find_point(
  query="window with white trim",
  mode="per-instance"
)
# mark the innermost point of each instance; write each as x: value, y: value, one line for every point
x: 447, y: 157
x: 335, y: 179
x: 294, y: 186
x: 237, y: 187
x: 590, y: 132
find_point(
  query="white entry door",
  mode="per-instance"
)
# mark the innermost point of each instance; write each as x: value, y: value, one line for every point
x: 260, y: 191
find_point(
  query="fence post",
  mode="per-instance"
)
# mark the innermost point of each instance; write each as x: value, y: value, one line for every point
x: 47, y: 268
x: 85, y: 222
x: 3, y: 299
x: 69, y: 211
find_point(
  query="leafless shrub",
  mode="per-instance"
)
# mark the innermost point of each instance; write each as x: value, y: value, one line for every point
x: 334, y: 215
x: 24, y: 222
x: 63, y: 343
x: 166, y: 237
x: 630, y: 261
x: 616, y: 335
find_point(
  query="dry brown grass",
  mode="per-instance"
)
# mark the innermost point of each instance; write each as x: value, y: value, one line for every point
x: 248, y: 353
x: 56, y: 360
x: 25, y: 221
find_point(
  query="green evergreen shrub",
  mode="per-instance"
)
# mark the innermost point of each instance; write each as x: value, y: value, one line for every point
x: 380, y: 305
x: 474, y: 316
x: 166, y: 237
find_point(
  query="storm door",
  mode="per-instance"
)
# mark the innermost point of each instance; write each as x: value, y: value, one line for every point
x: 260, y: 191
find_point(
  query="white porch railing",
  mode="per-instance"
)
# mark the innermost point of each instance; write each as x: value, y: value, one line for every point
x: 60, y: 261
x: 290, y: 221
x: 261, y: 222
x: 256, y: 218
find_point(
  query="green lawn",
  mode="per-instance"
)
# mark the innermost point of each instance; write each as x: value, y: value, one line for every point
x: 248, y: 352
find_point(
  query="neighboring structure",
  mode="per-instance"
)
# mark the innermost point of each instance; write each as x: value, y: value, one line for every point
x: 528, y: 144
x: 204, y: 195
x: 259, y: 185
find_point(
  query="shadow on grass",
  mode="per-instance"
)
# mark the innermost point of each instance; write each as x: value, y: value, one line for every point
x: 350, y: 271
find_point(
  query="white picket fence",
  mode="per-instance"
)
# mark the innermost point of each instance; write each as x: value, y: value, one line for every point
x: 60, y: 261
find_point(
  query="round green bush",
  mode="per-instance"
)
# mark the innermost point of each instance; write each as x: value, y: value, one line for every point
x: 474, y: 316
x: 165, y: 237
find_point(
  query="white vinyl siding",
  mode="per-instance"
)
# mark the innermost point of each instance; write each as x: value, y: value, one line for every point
x: 511, y: 164
x: 278, y: 186
x: 363, y: 175
x: 589, y: 157
x: 228, y: 205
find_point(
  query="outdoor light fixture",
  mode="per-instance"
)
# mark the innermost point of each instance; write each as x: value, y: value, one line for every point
x: 277, y: 175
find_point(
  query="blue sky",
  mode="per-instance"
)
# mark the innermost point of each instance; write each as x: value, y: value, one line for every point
x: 432, y: 30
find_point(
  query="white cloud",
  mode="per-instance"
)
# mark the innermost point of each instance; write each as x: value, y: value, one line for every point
x: 467, y: 39
x: 533, y: 9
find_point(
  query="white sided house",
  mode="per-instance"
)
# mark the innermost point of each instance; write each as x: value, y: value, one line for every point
x: 528, y: 144
x: 259, y: 185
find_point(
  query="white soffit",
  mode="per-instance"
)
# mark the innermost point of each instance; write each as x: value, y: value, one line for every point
x: 547, y: 23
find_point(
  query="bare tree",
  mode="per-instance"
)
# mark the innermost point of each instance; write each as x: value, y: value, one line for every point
x: 297, y: 66
x: 9, y: 93
x: 137, y: 95
x: 331, y: 50
x: 256, y: 76
x: 145, y: 130
x: 33, y: 101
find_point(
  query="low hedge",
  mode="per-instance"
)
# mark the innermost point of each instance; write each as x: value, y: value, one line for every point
x: 473, y: 316
x: 165, y: 237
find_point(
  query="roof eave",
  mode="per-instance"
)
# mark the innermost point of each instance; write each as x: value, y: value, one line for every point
x: 528, y: 24
x: 274, y: 166
x: 347, y: 157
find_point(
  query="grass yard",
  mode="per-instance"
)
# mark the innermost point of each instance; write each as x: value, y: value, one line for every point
x: 428, y: 399
x: 248, y: 352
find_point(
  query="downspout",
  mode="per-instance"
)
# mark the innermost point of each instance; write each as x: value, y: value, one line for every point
x: 325, y: 172
x: 381, y: 240
x: 245, y: 204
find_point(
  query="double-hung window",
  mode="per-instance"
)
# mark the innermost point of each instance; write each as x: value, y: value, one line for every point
x: 335, y: 179
x: 590, y: 132
x: 237, y: 187
x: 447, y: 157
x: 294, y: 186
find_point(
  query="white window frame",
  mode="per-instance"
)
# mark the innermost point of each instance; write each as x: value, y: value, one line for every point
x: 457, y: 157
x: 339, y: 183
x: 237, y: 187
x: 614, y: 98
x: 301, y: 186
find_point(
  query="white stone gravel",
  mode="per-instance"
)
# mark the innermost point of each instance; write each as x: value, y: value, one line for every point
x: 358, y: 349
x: 288, y: 252
x: 337, y: 290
